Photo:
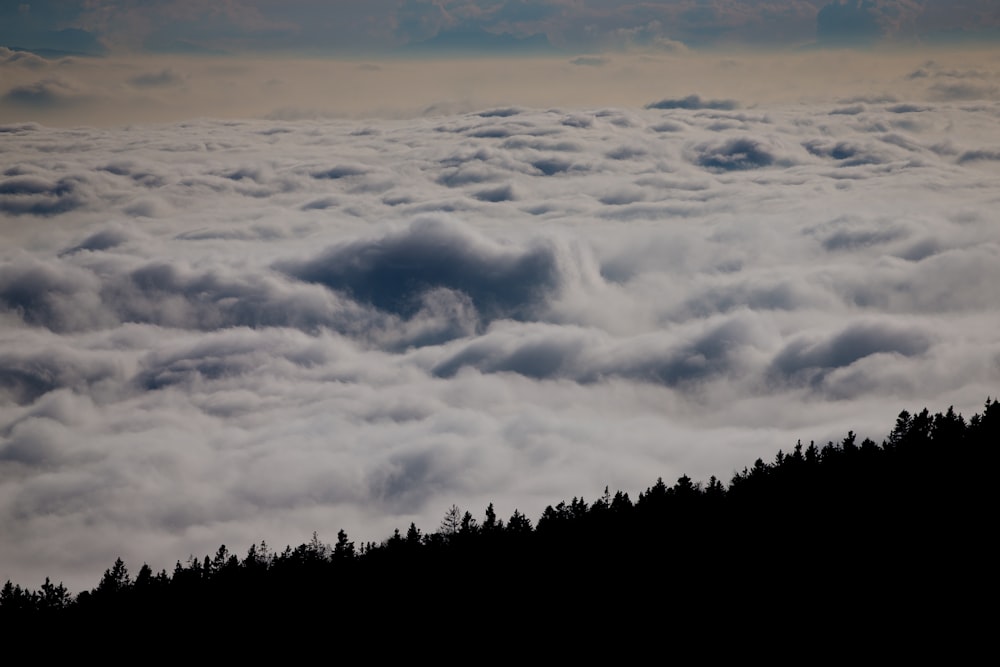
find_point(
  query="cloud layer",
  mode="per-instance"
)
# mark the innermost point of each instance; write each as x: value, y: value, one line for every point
x: 227, y: 331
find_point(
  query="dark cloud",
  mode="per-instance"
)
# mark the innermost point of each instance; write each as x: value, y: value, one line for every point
x: 694, y: 102
x: 627, y: 153
x: 852, y: 239
x: 932, y: 70
x: 165, y: 77
x: 469, y: 174
x: 60, y: 298
x: 535, y: 356
x: 493, y: 132
x: 714, y: 352
x: 209, y: 300
x: 759, y: 295
x: 26, y: 377
x: 542, y: 145
x: 590, y: 61
x: 141, y: 174
x: 907, y: 108
x: 963, y: 90
x: 622, y: 197
x: 497, y: 194
x: 809, y: 360
x: 321, y: 204
x: 979, y: 154
x: 586, y: 356
x: 340, y: 171
x: 18, y: 128
x: 506, y: 112
x: 102, y: 240
x: 901, y: 141
x: 394, y: 272
x: 46, y: 94
x: 667, y: 126
x: 212, y: 359
x: 845, y: 153
x: 552, y: 166
x: 852, y: 110
x: 29, y: 195
x: 884, y: 98
x: 734, y: 155
x: 578, y: 120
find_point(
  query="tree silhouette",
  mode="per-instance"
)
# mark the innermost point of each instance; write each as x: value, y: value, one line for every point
x: 115, y: 580
x: 452, y: 521
x: 343, y: 550
x: 815, y: 527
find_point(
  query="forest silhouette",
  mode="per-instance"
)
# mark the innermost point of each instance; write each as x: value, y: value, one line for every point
x: 853, y: 530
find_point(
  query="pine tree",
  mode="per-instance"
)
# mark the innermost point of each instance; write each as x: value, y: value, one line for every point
x: 452, y: 521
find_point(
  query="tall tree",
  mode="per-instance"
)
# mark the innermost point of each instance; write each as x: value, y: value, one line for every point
x: 343, y: 550
x: 452, y: 521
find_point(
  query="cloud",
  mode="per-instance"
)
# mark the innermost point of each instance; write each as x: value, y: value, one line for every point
x: 979, y: 154
x: 852, y: 239
x: 24, y: 59
x: 851, y: 110
x: 57, y: 298
x: 28, y: 195
x: 963, y: 91
x: 804, y: 359
x: 589, y: 356
x: 498, y: 194
x: 222, y: 331
x: 734, y: 155
x: 694, y: 102
x: 165, y: 77
x: 847, y: 154
x: 906, y: 108
x: 104, y: 239
x: 340, y: 171
x: 590, y: 61
x: 45, y: 94
x: 26, y: 377
x: 392, y: 273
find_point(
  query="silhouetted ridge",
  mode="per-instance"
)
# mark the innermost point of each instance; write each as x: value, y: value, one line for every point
x: 896, y: 527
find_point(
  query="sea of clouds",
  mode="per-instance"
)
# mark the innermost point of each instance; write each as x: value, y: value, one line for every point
x: 226, y: 331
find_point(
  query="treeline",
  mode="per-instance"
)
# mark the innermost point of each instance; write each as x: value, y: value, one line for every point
x: 896, y: 522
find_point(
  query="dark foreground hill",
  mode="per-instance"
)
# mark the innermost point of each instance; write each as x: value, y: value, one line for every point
x: 881, y: 538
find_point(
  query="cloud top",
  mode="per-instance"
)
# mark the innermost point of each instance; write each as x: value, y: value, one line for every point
x: 222, y: 331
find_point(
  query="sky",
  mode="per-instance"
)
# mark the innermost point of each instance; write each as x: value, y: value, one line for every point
x: 386, y: 26
x: 274, y: 268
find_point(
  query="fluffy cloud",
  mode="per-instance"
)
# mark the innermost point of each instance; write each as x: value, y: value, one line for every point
x: 227, y: 331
